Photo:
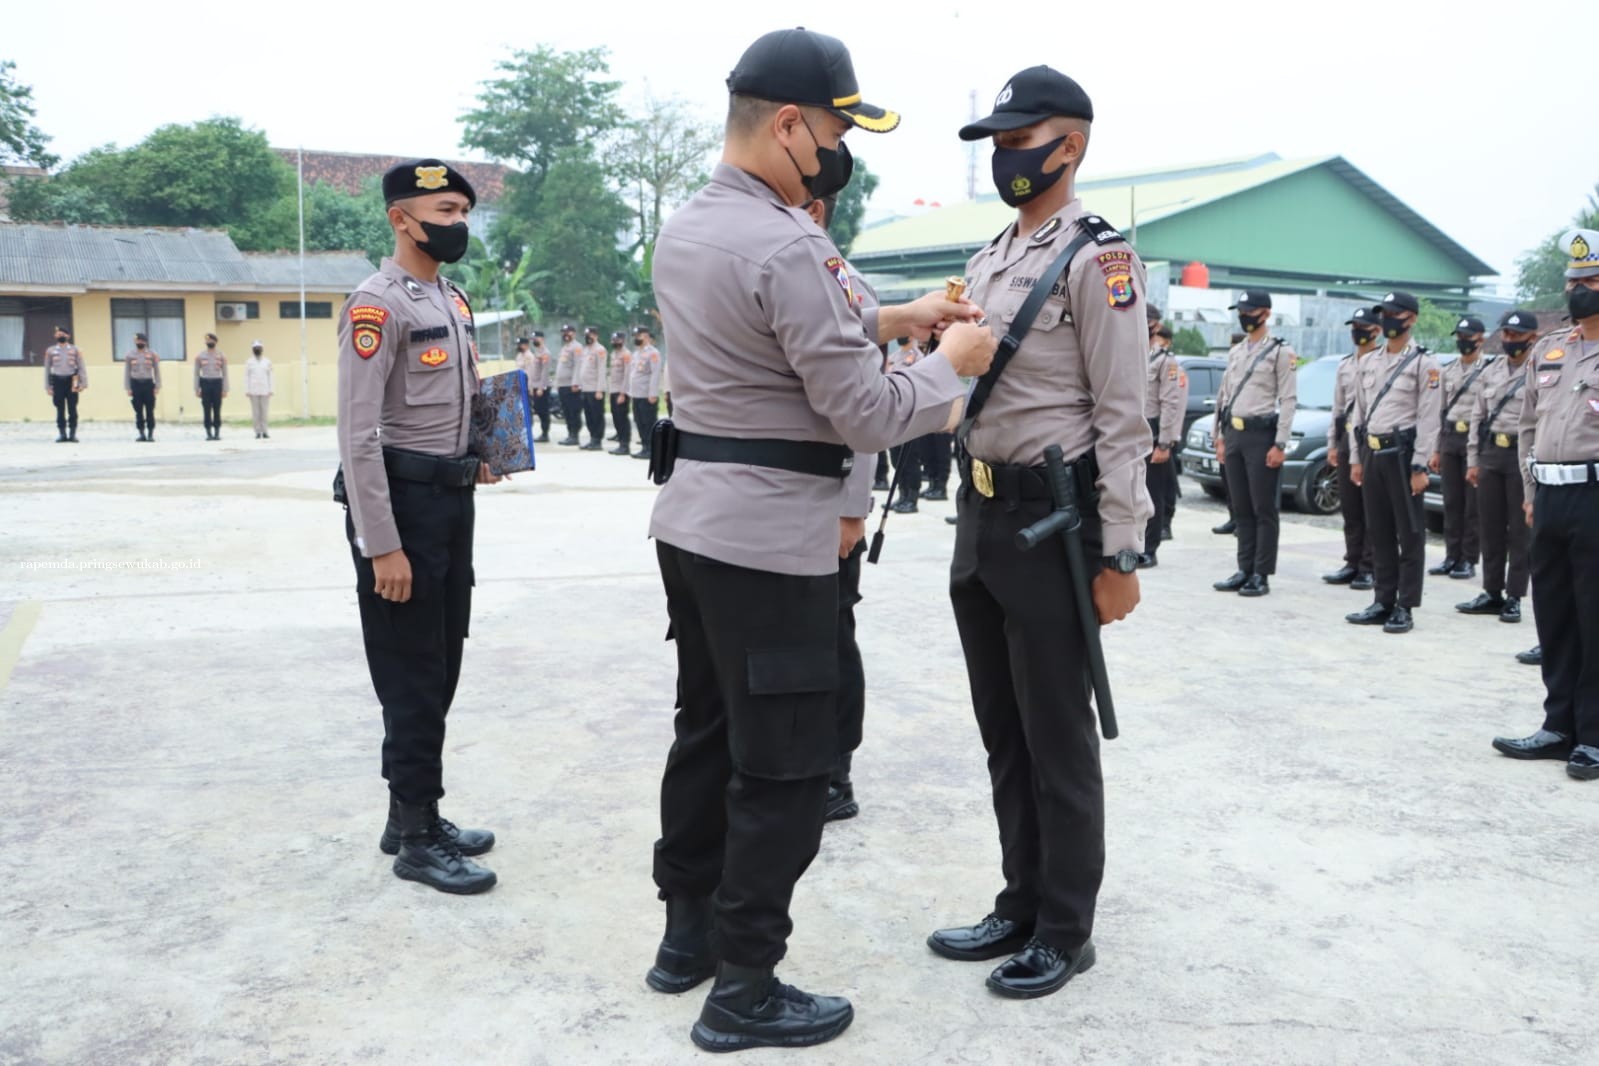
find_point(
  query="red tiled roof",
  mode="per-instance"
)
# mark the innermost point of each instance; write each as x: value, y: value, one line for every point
x: 350, y: 170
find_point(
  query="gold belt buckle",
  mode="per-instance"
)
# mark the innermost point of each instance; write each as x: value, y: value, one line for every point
x: 1375, y: 442
x: 1462, y: 427
x: 982, y: 477
x: 1502, y: 439
x: 1238, y: 423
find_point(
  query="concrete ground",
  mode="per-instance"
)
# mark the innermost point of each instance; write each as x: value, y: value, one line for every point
x: 1314, y: 856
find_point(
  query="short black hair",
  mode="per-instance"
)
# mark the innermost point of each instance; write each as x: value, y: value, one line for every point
x: 746, y: 113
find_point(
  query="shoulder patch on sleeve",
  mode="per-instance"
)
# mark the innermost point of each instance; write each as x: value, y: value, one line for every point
x: 1120, y: 292
x: 369, y: 314
x: 1433, y: 377
x: 1101, y: 231
x: 836, y: 267
x: 1115, y: 262
x: 1173, y: 373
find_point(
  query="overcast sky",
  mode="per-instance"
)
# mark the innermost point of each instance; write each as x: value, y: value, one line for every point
x: 1470, y: 119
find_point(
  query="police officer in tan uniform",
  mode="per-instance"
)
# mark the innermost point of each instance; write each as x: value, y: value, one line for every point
x: 778, y: 383
x: 645, y: 374
x: 407, y: 373
x: 541, y: 382
x: 1078, y: 382
x: 211, y: 385
x: 65, y: 375
x: 1462, y: 384
x: 591, y: 388
x: 1559, y: 451
x: 258, y: 387
x: 1165, y: 400
x: 1364, y: 330
x: 1254, y: 418
x: 566, y: 389
x: 1398, y: 400
x: 617, y: 379
x: 141, y: 377
x: 1492, y: 469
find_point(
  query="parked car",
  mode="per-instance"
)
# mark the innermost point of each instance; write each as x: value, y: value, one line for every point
x: 1204, y: 380
x: 1310, y: 482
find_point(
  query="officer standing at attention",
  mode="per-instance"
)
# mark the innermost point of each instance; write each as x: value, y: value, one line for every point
x: 65, y: 375
x: 141, y: 377
x: 1077, y: 382
x: 1398, y: 402
x: 591, y: 388
x: 258, y: 387
x: 1462, y: 384
x: 778, y: 382
x: 1356, y: 571
x: 1254, y: 416
x: 566, y: 384
x: 539, y: 384
x: 644, y: 386
x: 407, y: 375
x: 621, y: 360
x: 1165, y: 401
x: 211, y: 385
x: 1559, y: 451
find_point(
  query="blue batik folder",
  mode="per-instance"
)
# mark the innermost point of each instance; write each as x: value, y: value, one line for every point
x: 502, y: 423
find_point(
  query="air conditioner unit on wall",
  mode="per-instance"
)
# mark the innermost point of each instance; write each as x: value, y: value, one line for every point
x: 232, y: 312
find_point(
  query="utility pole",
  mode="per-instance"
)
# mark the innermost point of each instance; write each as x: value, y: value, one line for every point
x: 305, y: 357
x: 971, y: 156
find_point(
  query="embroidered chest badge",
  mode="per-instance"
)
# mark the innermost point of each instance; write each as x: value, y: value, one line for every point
x: 434, y: 357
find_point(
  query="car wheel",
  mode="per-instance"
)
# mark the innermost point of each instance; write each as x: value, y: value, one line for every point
x: 1215, y: 492
x: 1318, y: 492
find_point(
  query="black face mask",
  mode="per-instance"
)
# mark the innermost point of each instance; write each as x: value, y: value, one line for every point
x: 1019, y: 172
x: 1582, y: 302
x: 1516, y: 349
x: 1393, y: 326
x: 1251, y: 322
x: 256, y: 353
x: 1363, y: 336
x: 1466, y: 347
x: 834, y: 167
x: 444, y: 244
x: 210, y: 344
x: 139, y: 345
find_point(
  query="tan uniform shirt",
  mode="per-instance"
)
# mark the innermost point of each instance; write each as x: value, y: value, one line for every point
x: 211, y: 365
x: 769, y: 342
x: 1413, y: 403
x: 258, y: 376
x: 617, y: 381
x: 1076, y: 381
x: 566, y: 365
x: 591, y: 369
x: 406, y: 378
x: 1560, y: 403
x: 1272, y: 389
x: 1459, y: 400
x: 1343, y: 400
x: 64, y: 361
x: 644, y: 373
x: 141, y: 366
x: 1500, y: 380
x: 543, y: 368
x: 1166, y: 396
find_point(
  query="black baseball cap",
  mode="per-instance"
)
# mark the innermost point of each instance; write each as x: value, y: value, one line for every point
x: 592, y: 329
x: 1517, y: 319
x: 568, y: 329
x: 1163, y: 330
x: 1252, y: 300
x: 1151, y: 312
x: 538, y: 334
x: 1400, y: 301
x: 140, y: 337
x: 1363, y: 316
x: 618, y: 335
x: 1032, y: 96
x: 643, y: 329
x: 423, y: 177
x: 1470, y: 324
x: 801, y: 67
x: 521, y: 341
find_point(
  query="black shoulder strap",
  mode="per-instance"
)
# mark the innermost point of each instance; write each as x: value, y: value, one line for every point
x: 1394, y: 377
x: 1232, y: 398
x: 1482, y: 365
x: 1510, y: 394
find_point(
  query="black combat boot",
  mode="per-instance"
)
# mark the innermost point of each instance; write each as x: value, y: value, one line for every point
x: 429, y: 854
x: 841, y: 793
x: 684, y: 958
x: 469, y: 841
x: 749, y: 1007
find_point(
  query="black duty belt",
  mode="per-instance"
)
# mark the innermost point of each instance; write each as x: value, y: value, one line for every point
x: 800, y: 456
x: 1252, y: 422
x: 1379, y: 442
x: 430, y: 469
x: 1011, y: 484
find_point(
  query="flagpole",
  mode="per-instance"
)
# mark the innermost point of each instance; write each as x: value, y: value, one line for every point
x: 305, y: 358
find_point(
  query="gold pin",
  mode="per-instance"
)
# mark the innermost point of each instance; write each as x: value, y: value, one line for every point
x: 954, y: 289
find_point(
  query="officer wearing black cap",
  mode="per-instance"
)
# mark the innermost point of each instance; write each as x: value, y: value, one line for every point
x: 777, y: 379
x: 1165, y: 401
x: 407, y: 374
x: 65, y: 375
x: 1462, y: 384
x: 141, y: 377
x: 1365, y: 331
x: 1255, y: 416
x: 566, y: 387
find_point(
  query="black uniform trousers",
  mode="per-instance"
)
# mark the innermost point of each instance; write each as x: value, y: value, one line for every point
x: 572, y: 411
x: 1565, y: 588
x: 851, y: 671
x: 1160, y: 480
x: 211, y: 404
x: 1352, y: 504
x: 413, y: 649
x: 1254, y: 491
x: 882, y: 468
x: 143, y: 390
x: 645, y: 412
x: 1500, y: 496
x: 541, y: 408
x: 938, y: 451
x: 1461, y: 524
x: 1397, y: 522
x: 594, y: 415
x: 66, y: 402
x: 1027, y: 663
x: 756, y: 733
x: 621, y: 418
x: 908, y: 468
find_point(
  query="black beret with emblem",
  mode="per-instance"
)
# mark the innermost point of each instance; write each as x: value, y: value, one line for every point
x: 423, y: 177
x: 1030, y: 97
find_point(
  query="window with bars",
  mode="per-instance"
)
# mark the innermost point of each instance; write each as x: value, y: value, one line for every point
x: 28, y: 327
x: 313, y: 309
x: 161, y: 321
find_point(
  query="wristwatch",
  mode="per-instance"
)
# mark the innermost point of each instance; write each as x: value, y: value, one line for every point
x: 1417, y: 468
x: 1123, y: 562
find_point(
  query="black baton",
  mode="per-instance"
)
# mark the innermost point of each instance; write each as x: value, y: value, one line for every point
x: 1068, y: 522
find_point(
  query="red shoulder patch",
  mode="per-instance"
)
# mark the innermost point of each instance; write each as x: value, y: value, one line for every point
x: 367, y: 340
x: 1121, y: 294
x: 1432, y: 378
x: 1112, y: 263
x: 836, y: 267
x: 368, y: 314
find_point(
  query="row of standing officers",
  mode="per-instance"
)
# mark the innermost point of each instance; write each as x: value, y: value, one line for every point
x: 579, y: 379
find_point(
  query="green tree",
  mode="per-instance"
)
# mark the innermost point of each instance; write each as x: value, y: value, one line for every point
x: 53, y: 200
x: 660, y: 159
x: 573, y: 241
x: 1541, y: 272
x: 20, y: 140
x: 1189, y: 341
x: 851, y: 207
x: 1435, y: 327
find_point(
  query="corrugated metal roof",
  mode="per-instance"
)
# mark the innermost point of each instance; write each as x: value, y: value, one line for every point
x: 324, y: 271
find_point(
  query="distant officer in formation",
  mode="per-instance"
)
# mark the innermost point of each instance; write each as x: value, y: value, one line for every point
x: 1075, y: 382
x: 646, y: 375
x: 1165, y: 401
x: 1356, y: 572
x: 540, y: 383
x: 621, y: 360
x: 407, y: 374
x: 258, y: 387
x: 211, y: 385
x: 1254, y: 417
x: 65, y: 375
x: 1559, y: 452
x: 1492, y: 470
x: 566, y: 385
x: 908, y: 457
x: 1462, y: 385
x: 141, y: 377
x: 591, y: 388
x: 1398, y: 402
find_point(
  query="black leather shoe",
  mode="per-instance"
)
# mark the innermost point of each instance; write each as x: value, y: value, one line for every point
x: 1584, y: 764
x: 568, y: 442
x: 749, y: 1007
x: 1232, y: 584
x: 1544, y: 744
x: 542, y: 438
x: 61, y: 438
x: 429, y: 855
x: 469, y: 841
x: 1512, y: 611
x: 1464, y: 571
x: 1399, y: 621
x: 592, y: 446
x: 684, y: 958
x: 1165, y: 534
x: 951, y: 520
x: 1533, y: 656
x: 1375, y: 615
x: 1226, y: 529
x: 904, y: 507
x: 1443, y: 568
x: 840, y: 803
x: 1040, y: 970
x: 1257, y: 585
x: 621, y: 449
x: 936, y: 494
x: 988, y: 939
x: 1363, y: 583
x: 1342, y: 576
x: 641, y: 454
x: 880, y: 485
x: 1485, y: 603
